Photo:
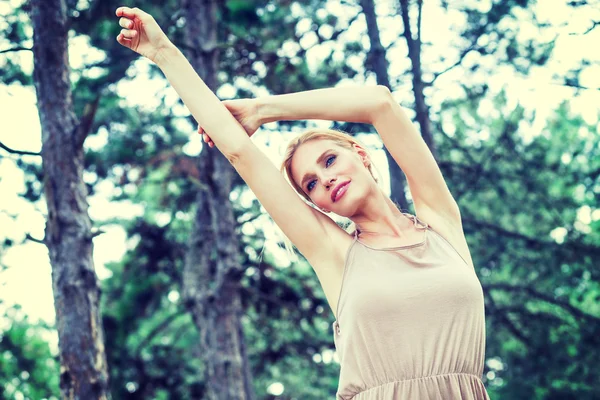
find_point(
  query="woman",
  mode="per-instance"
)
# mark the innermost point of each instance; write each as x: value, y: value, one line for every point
x: 410, y: 313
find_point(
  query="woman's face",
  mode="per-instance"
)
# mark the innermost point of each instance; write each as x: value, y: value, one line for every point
x: 335, y: 178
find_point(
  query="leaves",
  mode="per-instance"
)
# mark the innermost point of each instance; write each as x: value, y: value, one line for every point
x: 528, y: 201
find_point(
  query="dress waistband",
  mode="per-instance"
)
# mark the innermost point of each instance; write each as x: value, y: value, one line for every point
x: 466, y: 374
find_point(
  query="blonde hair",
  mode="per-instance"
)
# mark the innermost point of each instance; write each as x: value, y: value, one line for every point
x: 341, y: 139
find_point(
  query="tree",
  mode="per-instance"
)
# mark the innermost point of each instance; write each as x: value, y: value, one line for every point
x: 84, y: 373
x: 518, y: 196
x: 212, y: 270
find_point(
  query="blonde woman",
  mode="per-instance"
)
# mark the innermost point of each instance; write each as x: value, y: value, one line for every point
x: 408, y: 306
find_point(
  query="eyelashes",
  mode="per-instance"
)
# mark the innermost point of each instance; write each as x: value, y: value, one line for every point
x: 327, y: 164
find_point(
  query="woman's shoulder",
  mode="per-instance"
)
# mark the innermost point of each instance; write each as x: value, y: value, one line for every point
x: 338, y: 239
x: 449, y: 228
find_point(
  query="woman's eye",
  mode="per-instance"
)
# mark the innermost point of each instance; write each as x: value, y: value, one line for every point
x: 330, y: 158
x: 310, y: 185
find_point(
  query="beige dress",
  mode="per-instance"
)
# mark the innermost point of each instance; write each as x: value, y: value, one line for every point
x: 411, y: 323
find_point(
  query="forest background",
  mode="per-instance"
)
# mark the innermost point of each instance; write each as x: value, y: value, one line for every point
x: 505, y: 93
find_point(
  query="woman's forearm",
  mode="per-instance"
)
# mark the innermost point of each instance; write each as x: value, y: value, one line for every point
x: 222, y: 127
x: 351, y: 104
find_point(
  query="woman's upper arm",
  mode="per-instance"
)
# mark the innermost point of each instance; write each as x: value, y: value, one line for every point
x: 308, y: 229
x: 401, y: 138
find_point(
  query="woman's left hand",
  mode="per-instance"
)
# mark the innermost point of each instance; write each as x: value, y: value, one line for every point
x: 245, y: 111
x: 141, y: 33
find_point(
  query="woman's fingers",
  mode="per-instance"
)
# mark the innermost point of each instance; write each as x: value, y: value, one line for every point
x: 123, y: 40
x: 128, y: 24
x: 205, y: 138
x: 129, y: 12
x: 127, y: 15
x: 125, y: 23
x: 128, y: 33
x: 208, y: 140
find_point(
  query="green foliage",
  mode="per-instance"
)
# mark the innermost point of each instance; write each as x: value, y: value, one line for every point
x: 16, y: 36
x: 289, y: 325
x: 28, y: 367
x: 243, y: 12
x: 514, y: 192
x: 11, y: 72
x: 538, y: 289
x: 148, y: 334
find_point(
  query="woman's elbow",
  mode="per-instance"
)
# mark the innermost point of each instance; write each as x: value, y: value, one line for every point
x: 382, y: 101
x: 384, y: 95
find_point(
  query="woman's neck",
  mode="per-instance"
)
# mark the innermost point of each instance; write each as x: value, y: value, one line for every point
x: 382, y: 218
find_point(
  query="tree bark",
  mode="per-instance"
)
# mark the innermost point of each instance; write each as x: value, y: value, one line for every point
x: 68, y: 233
x: 379, y: 65
x: 212, y: 271
x: 414, y: 53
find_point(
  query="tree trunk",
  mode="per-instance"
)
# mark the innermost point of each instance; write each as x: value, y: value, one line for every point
x: 212, y: 271
x: 68, y: 233
x: 414, y: 53
x: 379, y: 65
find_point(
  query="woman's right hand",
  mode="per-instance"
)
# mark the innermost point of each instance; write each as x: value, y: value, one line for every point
x: 245, y: 111
x: 141, y: 33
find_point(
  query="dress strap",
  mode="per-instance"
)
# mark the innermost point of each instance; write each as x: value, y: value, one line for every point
x: 418, y: 223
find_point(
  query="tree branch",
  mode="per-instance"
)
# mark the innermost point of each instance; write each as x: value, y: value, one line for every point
x: 96, y: 232
x: 407, y: 31
x: 544, y: 317
x: 14, y: 49
x: 542, y: 296
x: 510, y: 325
x: 590, y: 249
x: 156, y: 330
x: 19, y: 152
x: 574, y: 86
x: 456, y: 64
x: 336, y: 33
x: 419, y: 18
x: 251, y: 218
x: 29, y: 237
x: 85, y: 123
x: 591, y: 28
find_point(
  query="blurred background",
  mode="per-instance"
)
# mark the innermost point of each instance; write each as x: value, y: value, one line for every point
x: 505, y: 93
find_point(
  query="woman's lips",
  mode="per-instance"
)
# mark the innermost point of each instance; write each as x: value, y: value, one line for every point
x: 341, y: 191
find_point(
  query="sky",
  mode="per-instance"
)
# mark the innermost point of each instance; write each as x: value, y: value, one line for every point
x: 27, y: 280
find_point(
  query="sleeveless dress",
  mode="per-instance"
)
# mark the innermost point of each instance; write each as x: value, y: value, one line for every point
x: 410, y: 323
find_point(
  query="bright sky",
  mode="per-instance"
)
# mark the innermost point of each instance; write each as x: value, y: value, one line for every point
x: 27, y: 281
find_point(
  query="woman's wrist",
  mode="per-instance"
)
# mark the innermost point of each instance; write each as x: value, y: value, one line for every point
x: 264, y: 110
x: 166, y: 54
x: 351, y: 104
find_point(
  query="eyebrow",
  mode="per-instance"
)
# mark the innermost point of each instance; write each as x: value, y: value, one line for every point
x: 321, y: 157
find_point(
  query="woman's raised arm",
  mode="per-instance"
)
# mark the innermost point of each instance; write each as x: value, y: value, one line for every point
x: 142, y: 34
x: 309, y: 230
x: 351, y: 104
x: 374, y: 105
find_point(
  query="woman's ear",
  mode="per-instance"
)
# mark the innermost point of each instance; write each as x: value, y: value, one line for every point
x: 362, y: 153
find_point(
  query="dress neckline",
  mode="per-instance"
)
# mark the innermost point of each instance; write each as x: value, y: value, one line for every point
x: 420, y: 225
